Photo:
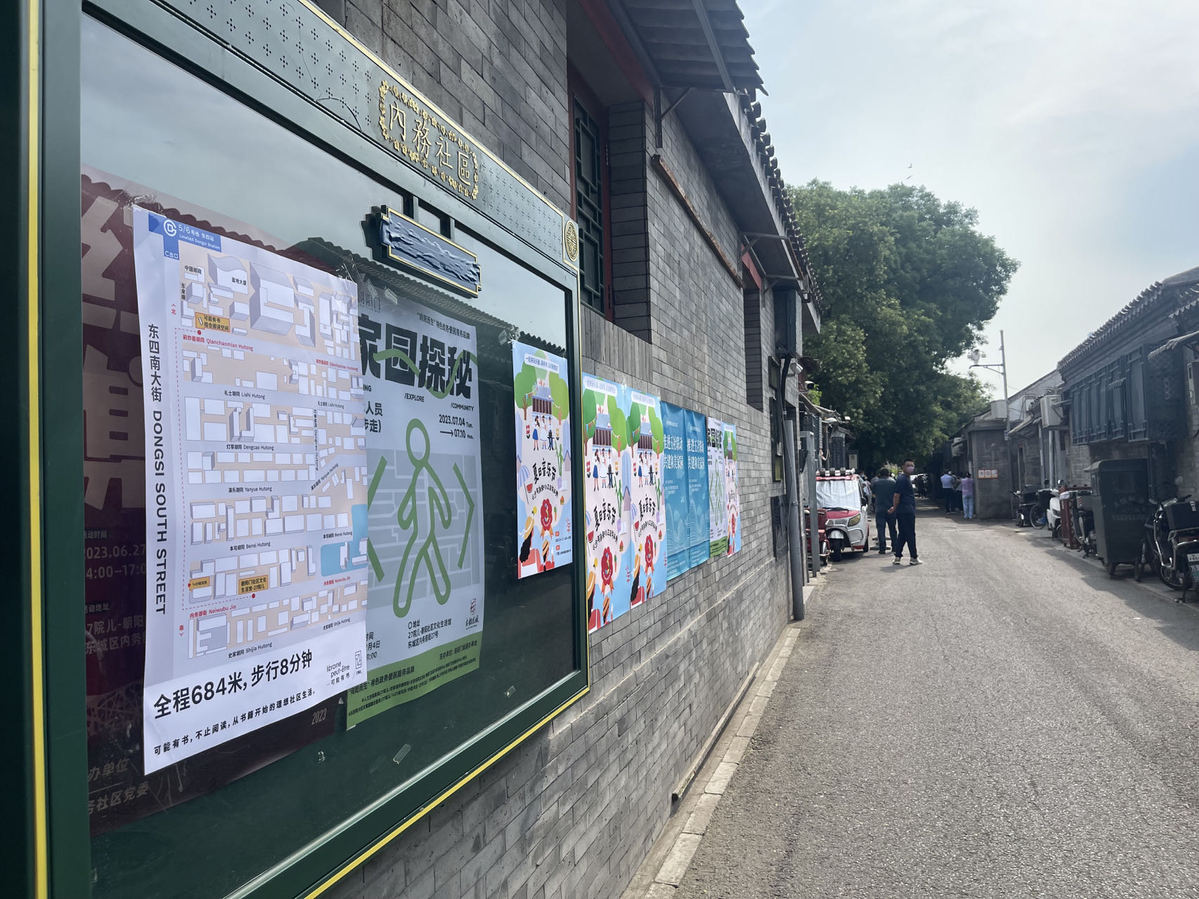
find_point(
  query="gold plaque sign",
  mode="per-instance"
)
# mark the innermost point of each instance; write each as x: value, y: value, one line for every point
x: 416, y: 133
x: 570, y: 240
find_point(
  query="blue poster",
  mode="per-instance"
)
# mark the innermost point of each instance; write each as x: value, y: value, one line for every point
x: 674, y: 485
x: 697, y: 486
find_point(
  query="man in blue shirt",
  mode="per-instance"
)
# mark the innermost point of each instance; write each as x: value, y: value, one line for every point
x: 903, y: 507
x: 883, y: 488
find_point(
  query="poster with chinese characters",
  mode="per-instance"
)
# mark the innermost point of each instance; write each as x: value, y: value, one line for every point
x: 256, y: 486
x: 424, y: 502
x: 697, y: 487
x: 718, y: 522
x: 732, y: 489
x: 605, y: 455
x: 674, y: 490
x: 646, y: 557
x: 541, y: 393
x: 114, y: 520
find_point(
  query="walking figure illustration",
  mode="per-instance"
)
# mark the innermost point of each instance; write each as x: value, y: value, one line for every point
x: 423, y: 531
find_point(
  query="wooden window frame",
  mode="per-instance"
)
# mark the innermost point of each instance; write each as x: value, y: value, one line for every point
x: 581, y: 94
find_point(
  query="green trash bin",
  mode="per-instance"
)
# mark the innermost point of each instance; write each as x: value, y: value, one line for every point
x: 1121, y: 505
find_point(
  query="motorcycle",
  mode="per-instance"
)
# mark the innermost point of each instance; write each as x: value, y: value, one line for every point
x: 1171, y: 544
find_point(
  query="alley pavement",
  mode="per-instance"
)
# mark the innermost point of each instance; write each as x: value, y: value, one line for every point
x: 1003, y: 721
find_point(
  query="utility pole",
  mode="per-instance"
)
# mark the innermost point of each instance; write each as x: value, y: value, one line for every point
x: 1001, y: 367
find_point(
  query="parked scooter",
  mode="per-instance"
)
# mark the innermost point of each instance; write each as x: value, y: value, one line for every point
x: 1171, y: 544
x: 1053, y: 513
x: 1083, y: 525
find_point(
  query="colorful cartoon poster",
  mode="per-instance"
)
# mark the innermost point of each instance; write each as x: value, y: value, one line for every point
x: 425, y: 552
x: 732, y: 489
x: 718, y: 522
x: 541, y: 392
x: 605, y: 435
x: 697, y: 488
x: 674, y: 490
x: 647, y: 506
x: 256, y: 464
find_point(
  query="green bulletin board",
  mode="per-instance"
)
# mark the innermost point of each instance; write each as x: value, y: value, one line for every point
x: 203, y: 139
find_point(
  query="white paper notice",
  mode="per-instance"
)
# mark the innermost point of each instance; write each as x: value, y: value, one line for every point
x: 255, y: 485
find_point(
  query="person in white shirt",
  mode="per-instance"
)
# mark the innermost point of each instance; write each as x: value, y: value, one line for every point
x: 947, y: 489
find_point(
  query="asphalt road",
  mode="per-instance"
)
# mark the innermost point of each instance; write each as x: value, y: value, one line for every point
x: 1002, y: 721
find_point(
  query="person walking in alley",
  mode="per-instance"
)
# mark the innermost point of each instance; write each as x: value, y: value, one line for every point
x: 967, y: 496
x: 947, y: 491
x: 903, y: 507
x: 883, y: 488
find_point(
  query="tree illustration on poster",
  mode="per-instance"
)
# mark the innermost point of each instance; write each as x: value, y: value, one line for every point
x: 732, y: 489
x: 717, y: 507
x: 647, y: 507
x: 543, y: 497
x: 606, y: 479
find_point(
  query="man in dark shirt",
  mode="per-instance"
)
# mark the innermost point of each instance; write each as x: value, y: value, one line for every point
x: 882, y: 488
x: 903, y: 507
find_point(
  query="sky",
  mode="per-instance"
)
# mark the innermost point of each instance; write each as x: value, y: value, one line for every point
x: 1073, y: 129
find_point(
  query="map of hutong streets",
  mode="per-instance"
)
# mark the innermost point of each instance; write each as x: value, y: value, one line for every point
x: 256, y: 474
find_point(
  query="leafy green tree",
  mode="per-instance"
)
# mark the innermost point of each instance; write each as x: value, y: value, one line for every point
x: 620, y: 428
x: 560, y: 395
x: 659, y: 432
x: 909, y: 283
x: 589, y: 414
x: 522, y: 386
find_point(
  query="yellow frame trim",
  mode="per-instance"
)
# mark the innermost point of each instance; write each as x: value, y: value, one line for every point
x: 449, y: 791
x: 41, y: 885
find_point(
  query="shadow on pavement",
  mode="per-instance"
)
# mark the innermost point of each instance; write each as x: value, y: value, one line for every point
x: 1150, y: 598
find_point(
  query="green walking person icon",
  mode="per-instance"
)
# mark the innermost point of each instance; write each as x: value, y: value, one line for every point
x: 423, y: 529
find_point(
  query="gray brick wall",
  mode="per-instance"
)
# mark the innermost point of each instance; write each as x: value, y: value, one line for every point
x: 573, y: 810
x: 496, y: 68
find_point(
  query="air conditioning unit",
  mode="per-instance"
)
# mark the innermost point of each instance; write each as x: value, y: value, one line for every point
x: 1028, y: 405
x: 1051, y: 411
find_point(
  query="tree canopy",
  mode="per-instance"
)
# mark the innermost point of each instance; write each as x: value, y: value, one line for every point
x: 908, y: 283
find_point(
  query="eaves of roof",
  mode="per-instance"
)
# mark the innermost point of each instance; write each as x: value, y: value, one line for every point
x: 1166, y: 297
x: 700, y: 51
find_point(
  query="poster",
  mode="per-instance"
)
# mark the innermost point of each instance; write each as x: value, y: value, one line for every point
x: 114, y: 520
x: 425, y: 553
x: 255, y: 481
x: 732, y: 489
x: 541, y: 393
x: 605, y: 435
x: 674, y: 490
x: 697, y: 487
x: 718, y: 522
x: 647, y: 507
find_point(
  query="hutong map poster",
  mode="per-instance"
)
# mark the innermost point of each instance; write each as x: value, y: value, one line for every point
x: 255, y: 484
